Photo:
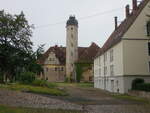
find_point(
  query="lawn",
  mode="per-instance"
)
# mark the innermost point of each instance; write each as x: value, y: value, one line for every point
x: 7, y: 109
x: 85, y: 85
x: 82, y: 85
x: 34, y: 89
x: 131, y: 98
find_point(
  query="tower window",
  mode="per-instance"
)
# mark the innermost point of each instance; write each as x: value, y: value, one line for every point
x: 71, y: 44
x: 71, y: 28
x: 71, y: 53
x: 71, y: 35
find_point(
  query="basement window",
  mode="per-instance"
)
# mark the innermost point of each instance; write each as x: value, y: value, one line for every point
x: 149, y: 66
x: 148, y: 28
x: 149, y: 48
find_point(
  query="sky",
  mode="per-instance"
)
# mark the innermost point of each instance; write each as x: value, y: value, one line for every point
x: 95, y: 18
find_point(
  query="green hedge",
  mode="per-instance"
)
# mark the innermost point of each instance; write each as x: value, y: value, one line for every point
x: 43, y: 83
x: 143, y: 87
x: 27, y: 77
x: 135, y: 82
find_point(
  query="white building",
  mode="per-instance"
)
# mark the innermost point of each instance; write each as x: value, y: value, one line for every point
x: 126, y: 54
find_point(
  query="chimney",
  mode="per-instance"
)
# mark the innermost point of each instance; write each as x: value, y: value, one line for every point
x: 134, y: 3
x: 56, y: 46
x: 127, y: 11
x: 116, y: 22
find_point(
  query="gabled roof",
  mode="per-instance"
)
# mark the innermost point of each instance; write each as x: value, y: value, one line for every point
x: 85, y: 54
x: 60, y: 53
x: 89, y: 54
x: 116, y: 36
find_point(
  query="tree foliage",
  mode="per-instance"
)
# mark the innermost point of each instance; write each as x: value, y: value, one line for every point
x: 16, y: 55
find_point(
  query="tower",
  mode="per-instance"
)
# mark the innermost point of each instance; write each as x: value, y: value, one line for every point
x: 71, y: 47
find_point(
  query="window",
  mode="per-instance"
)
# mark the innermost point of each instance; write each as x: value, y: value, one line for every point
x: 62, y: 69
x: 105, y: 57
x: 148, y: 28
x: 111, y: 55
x: 71, y: 44
x: 111, y: 70
x: 149, y: 48
x: 47, y: 69
x: 51, y: 59
x: 71, y: 35
x: 99, y: 61
x: 99, y: 71
x: 105, y: 70
x: 149, y: 66
x: 55, y: 68
x: 71, y: 53
x: 71, y: 28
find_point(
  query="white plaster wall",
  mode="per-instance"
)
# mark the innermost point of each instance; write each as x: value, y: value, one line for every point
x: 138, y: 28
x: 136, y: 59
x: 104, y: 81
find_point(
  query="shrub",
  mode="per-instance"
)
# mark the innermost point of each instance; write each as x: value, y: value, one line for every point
x: 135, y: 82
x: 143, y: 87
x: 27, y: 77
x: 43, y: 83
x: 38, y: 82
x: 1, y: 78
x: 66, y: 79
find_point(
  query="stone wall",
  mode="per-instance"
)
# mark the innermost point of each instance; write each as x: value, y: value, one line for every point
x: 142, y: 94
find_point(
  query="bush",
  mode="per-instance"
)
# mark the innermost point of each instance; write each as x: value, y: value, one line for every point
x: 43, y: 83
x: 27, y: 77
x: 135, y: 82
x: 1, y: 78
x: 38, y: 82
x: 143, y: 87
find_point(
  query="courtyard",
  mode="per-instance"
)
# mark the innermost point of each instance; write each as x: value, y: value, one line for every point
x: 81, y: 98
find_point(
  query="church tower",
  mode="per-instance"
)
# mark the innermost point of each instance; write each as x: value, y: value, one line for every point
x: 71, y: 47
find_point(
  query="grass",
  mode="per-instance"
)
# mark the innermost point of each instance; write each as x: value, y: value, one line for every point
x: 82, y: 85
x: 85, y: 85
x: 7, y: 109
x: 34, y: 89
x: 132, y: 98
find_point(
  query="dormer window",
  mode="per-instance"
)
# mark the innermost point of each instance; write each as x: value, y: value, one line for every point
x: 148, y: 28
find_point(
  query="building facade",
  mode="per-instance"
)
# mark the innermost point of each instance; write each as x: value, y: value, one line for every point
x: 59, y: 62
x: 126, y: 54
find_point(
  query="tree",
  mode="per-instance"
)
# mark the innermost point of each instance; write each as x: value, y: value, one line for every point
x: 15, y: 44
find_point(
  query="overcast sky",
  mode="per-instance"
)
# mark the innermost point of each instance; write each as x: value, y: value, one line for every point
x: 95, y: 17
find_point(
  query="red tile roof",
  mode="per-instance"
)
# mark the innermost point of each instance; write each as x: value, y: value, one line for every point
x: 116, y: 36
x: 85, y: 54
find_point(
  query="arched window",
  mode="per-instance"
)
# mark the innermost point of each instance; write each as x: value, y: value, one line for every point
x: 148, y: 28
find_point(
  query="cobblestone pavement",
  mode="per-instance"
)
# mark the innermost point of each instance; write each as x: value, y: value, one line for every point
x: 89, y: 100
x: 118, y: 109
x: 14, y: 98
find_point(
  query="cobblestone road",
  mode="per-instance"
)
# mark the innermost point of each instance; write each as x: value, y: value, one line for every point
x: 88, y: 99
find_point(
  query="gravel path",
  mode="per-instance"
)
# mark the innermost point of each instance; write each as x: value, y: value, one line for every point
x: 15, y: 98
x: 90, y: 100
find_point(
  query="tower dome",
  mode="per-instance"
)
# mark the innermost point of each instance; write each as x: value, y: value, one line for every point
x: 72, y: 21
